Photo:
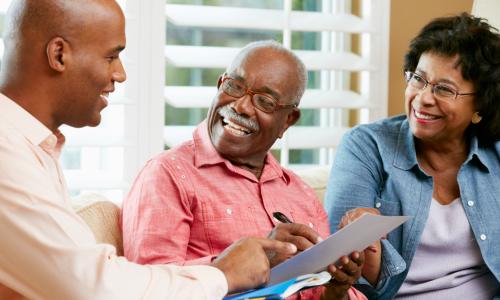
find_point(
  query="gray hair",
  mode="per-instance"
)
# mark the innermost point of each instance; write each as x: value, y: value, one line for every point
x: 301, y: 68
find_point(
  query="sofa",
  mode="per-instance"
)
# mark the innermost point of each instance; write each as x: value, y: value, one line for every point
x: 103, y: 216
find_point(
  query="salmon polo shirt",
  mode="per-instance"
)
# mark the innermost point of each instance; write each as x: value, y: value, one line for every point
x: 189, y: 203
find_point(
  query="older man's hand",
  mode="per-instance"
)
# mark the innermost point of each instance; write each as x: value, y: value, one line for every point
x: 373, y: 254
x: 245, y: 263
x: 300, y: 235
x: 344, y: 274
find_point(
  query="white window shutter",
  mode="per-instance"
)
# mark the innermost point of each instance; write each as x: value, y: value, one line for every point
x: 334, y: 60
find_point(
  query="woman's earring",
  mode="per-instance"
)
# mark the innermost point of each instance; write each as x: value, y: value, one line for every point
x: 476, y: 118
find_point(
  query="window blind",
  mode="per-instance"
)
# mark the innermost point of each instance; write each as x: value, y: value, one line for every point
x: 347, y: 62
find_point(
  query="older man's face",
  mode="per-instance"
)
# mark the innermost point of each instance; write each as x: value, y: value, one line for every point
x: 237, y: 129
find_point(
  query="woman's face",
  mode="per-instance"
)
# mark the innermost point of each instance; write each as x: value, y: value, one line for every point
x: 434, y: 119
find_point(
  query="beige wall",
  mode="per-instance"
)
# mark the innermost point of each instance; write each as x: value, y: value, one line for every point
x: 407, y: 18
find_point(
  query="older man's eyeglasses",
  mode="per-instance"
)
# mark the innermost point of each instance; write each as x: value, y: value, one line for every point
x: 439, y: 90
x: 263, y: 102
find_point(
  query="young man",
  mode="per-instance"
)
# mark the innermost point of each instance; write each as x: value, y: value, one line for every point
x: 61, y: 62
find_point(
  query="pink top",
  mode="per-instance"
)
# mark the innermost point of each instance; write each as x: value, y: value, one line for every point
x: 48, y: 252
x: 189, y: 203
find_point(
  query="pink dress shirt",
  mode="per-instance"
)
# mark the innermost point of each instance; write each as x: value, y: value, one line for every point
x: 188, y: 204
x: 48, y: 252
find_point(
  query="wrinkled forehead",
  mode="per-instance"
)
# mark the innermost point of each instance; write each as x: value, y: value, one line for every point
x: 265, y: 63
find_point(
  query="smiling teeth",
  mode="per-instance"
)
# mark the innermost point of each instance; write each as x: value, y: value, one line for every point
x: 235, y: 128
x: 105, y: 96
x: 424, y: 116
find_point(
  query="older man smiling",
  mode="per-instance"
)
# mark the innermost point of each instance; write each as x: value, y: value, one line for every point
x: 192, y: 201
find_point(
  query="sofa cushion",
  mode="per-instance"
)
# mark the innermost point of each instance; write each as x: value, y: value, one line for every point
x: 317, y: 178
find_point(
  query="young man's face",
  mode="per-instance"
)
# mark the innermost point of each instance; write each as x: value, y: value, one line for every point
x: 95, y: 67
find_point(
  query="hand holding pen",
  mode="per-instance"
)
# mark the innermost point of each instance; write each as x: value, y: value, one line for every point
x: 281, y: 217
x: 300, y: 235
x: 344, y: 272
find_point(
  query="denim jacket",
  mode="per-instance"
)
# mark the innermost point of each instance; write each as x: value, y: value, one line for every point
x: 376, y: 166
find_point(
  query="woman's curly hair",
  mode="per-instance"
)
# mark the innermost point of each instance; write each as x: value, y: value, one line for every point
x: 478, y: 47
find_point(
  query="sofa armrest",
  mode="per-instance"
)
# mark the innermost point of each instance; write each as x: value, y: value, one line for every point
x: 103, y: 218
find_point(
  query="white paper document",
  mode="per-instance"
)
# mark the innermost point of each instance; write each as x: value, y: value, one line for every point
x: 356, y: 236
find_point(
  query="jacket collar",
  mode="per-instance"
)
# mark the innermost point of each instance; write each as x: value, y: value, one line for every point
x: 405, y: 156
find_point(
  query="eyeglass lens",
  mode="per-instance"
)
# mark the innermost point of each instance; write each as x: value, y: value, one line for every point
x: 439, y: 90
x: 235, y: 89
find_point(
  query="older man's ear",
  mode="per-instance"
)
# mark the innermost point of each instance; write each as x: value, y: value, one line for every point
x: 292, y: 118
x: 219, y: 81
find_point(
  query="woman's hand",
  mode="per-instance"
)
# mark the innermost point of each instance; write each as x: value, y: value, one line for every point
x: 373, y: 253
x: 344, y: 275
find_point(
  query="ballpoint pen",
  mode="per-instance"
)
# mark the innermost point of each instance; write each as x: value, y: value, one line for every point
x: 281, y: 217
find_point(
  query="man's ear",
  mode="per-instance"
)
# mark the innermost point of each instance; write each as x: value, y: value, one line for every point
x: 292, y: 118
x: 219, y: 81
x: 58, y: 53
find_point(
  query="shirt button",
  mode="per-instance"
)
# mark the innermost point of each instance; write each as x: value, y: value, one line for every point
x: 229, y: 211
x: 172, y: 158
x: 183, y: 176
x: 310, y: 224
x: 470, y: 203
x: 482, y: 237
x: 378, y: 205
x: 178, y: 167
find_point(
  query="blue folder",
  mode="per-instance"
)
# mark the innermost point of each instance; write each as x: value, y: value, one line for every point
x: 284, y: 289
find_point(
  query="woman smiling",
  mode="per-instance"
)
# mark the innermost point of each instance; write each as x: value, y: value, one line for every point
x: 439, y: 163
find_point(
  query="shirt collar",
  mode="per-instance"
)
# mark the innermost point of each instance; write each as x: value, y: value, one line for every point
x: 53, y: 144
x: 405, y: 156
x: 30, y: 127
x: 476, y: 152
x: 205, y: 154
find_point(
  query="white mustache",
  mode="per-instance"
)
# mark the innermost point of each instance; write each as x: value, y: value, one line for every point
x: 227, y: 112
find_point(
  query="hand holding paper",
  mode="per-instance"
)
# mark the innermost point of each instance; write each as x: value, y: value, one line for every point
x: 373, y: 262
x: 344, y: 274
x: 356, y: 236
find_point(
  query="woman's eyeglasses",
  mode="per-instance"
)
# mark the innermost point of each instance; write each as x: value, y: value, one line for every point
x: 439, y: 90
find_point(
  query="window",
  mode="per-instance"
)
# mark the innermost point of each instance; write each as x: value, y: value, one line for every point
x: 176, y: 49
x: 106, y: 159
x: 342, y: 42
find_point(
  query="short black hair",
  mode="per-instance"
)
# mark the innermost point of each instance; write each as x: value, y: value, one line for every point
x: 478, y: 47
